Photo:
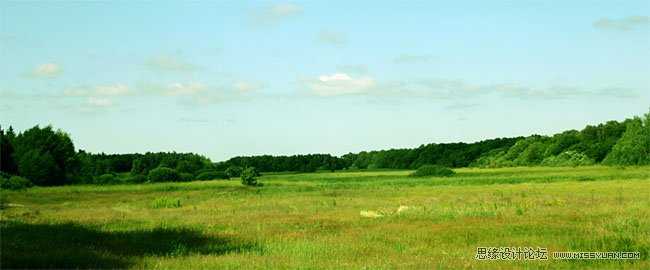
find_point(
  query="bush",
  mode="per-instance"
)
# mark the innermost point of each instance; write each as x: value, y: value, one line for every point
x: 234, y: 171
x: 186, y: 177
x: 135, y: 179
x: 249, y: 176
x: 163, y: 174
x: 633, y: 148
x: 568, y: 158
x: 105, y: 179
x: 433, y: 170
x: 15, y: 183
x: 212, y: 175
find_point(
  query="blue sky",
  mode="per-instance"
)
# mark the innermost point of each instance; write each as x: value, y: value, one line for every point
x: 227, y: 78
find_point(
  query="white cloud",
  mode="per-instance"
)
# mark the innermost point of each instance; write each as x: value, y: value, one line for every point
x: 411, y: 59
x: 353, y: 69
x: 169, y: 63
x: 48, y: 70
x: 99, y: 102
x: 100, y: 90
x: 332, y: 38
x: 276, y: 13
x: 180, y: 89
x: 339, y: 84
x: 622, y: 24
x: 246, y: 87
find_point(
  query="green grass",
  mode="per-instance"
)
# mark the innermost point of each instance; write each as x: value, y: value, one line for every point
x: 315, y: 221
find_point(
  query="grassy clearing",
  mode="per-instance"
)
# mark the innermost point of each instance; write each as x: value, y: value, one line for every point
x: 318, y: 221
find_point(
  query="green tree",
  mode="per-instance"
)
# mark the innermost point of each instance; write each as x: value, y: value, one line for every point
x: 7, y: 161
x: 40, y: 168
x: 249, y: 176
x: 45, y: 156
x: 634, y: 146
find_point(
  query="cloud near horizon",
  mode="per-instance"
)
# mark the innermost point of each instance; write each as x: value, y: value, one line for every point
x: 339, y: 84
x: 332, y: 38
x: 170, y: 63
x: 276, y: 13
x: 99, y: 90
x: 622, y: 24
x: 47, y: 70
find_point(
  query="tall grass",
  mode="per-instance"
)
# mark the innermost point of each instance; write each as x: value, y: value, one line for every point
x: 315, y: 221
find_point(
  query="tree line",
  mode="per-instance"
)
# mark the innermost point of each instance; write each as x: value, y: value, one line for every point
x: 45, y: 156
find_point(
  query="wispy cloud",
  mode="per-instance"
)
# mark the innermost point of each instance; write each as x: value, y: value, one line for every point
x: 353, y: 69
x: 247, y: 87
x: 198, y: 93
x: 47, y: 70
x: 339, y: 84
x: 332, y: 38
x: 276, y: 13
x: 99, y: 102
x: 99, y: 90
x: 412, y: 58
x: 622, y: 24
x: 170, y: 63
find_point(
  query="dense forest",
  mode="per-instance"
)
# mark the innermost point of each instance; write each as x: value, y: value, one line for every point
x: 45, y: 156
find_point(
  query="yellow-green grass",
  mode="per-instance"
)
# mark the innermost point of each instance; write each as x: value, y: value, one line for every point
x: 314, y: 221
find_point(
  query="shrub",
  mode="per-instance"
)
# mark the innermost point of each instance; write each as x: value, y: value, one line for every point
x: 633, y: 148
x: 249, y: 176
x: 165, y: 202
x: 234, y: 171
x: 105, y: 179
x: 135, y: 179
x: 15, y: 183
x: 568, y: 158
x: 186, y: 177
x: 163, y: 174
x: 212, y: 175
x: 433, y: 170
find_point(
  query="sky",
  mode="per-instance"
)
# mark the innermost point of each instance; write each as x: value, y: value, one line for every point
x: 230, y: 78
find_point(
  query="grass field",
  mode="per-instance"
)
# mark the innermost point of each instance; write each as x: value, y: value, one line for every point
x: 354, y: 220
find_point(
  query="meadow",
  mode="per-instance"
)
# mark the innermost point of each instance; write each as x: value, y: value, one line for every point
x: 334, y: 220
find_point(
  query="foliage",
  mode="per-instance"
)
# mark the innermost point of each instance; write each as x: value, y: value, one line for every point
x: 186, y: 177
x: 234, y: 171
x: 106, y: 179
x: 14, y: 183
x: 40, y: 168
x: 212, y: 175
x: 135, y: 179
x: 163, y: 174
x: 249, y: 176
x: 44, y: 156
x: 634, y: 146
x: 433, y: 170
x: 7, y: 161
x: 568, y: 158
x: 297, y: 163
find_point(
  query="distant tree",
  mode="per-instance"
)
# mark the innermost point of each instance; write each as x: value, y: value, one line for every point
x: 7, y: 162
x: 212, y: 175
x: 106, y: 179
x: 234, y: 171
x: 433, y: 170
x: 249, y: 176
x: 45, y: 156
x: 634, y: 146
x: 40, y: 168
x: 164, y: 174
